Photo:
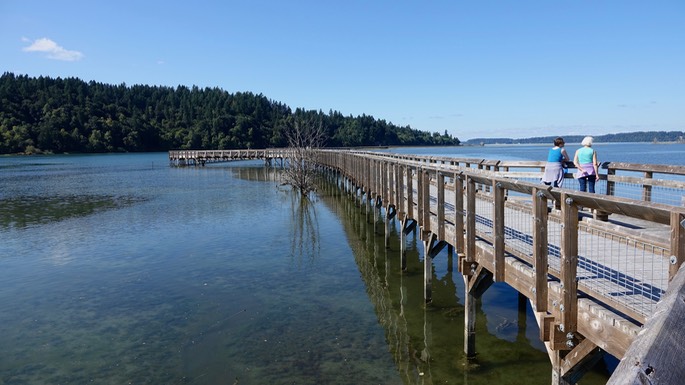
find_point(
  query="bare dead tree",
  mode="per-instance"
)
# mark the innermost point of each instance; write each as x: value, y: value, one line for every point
x: 304, y: 137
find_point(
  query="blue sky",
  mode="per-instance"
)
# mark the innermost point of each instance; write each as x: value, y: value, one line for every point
x: 473, y: 68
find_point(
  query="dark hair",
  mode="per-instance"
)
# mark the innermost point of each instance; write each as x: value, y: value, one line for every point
x: 558, y: 141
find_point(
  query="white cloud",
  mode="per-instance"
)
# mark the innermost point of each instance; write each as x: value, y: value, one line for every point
x: 53, y: 50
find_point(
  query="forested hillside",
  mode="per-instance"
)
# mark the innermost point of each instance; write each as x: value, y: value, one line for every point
x: 70, y: 115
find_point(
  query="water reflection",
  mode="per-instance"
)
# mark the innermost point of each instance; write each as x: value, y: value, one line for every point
x: 304, y: 231
x: 305, y: 245
x: 255, y: 174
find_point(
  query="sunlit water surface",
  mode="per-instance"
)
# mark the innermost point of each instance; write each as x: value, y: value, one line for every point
x: 645, y: 153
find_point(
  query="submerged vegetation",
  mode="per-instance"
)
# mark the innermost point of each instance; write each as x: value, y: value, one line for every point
x: 29, y: 211
x: 58, y: 115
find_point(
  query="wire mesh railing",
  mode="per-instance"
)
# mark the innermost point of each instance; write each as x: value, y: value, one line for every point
x: 629, y: 273
x: 626, y: 271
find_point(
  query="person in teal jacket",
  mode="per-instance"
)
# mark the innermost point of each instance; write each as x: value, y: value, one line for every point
x: 554, y: 169
x: 586, y: 162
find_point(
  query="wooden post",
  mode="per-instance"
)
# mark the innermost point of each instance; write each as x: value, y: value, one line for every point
x: 378, y: 190
x: 467, y: 268
x: 420, y: 200
x: 431, y: 246
x: 469, y: 321
x: 441, y: 205
x: 427, y: 236
x: 647, y: 188
x: 540, y: 249
x: 426, y: 201
x: 390, y: 191
x: 354, y: 174
x: 367, y: 202
x: 611, y: 185
x: 459, y: 215
x: 410, y: 192
x: 677, y: 243
x: 399, y: 178
x: 376, y: 211
x: 475, y: 284
x: 388, y: 217
x: 557, y: 376
x: 387, y: 190
x: 470, y: 220
x: 569, y: 266
x: 374, y: 181
x: 366, y: 175
x: 498, y: 231
x: 384, y: 181
x: 390, y: 208
x: 408, y: 225
x: 403, y: 243
x: 428, y: 267
x: 369, y: 186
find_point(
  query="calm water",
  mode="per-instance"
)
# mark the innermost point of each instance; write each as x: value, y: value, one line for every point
x: 650, y: 153
x: 118, y: 269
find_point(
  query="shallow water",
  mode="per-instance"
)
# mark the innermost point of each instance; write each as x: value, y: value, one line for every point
x: 119, y: 269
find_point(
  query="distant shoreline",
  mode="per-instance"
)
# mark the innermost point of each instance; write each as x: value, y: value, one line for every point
x: 371, y: 147
x: 624, y: 137
x: 547, y: 144
x: 597, y: 142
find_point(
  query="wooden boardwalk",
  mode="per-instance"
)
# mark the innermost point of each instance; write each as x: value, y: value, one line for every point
x: 202, y: 157
x: 594, y: 266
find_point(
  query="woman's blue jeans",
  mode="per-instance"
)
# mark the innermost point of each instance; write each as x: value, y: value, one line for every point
x: 587, y: 183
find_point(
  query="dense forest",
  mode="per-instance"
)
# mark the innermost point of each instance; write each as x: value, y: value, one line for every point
x: 58, y: 115
x: 640, y: 136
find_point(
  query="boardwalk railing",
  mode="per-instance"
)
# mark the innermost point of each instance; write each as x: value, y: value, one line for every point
x: 591, y: 283
x: 646, y: 182
x: 649, y: 183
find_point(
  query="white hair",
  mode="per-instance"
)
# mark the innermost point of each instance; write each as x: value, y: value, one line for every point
x: 587, y: 141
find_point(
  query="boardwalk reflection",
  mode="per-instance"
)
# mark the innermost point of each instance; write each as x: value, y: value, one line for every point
x: 259, y: 173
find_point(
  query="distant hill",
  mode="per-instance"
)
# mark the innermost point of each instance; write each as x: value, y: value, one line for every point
x: 640, y: 136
